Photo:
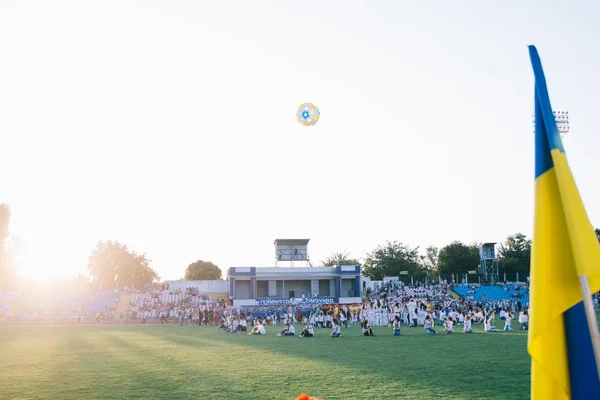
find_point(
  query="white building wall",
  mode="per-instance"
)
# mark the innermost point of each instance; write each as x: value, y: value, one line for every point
x: 202, y: 286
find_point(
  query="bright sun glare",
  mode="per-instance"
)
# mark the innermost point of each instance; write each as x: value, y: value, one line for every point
x: 41, y: 262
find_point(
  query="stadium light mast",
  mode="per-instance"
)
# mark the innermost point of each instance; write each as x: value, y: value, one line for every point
x: 562, y: 122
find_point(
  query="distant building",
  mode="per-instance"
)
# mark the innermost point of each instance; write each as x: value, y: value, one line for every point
x: 284, y: 285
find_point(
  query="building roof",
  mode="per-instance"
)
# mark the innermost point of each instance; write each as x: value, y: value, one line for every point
x: 291, y: 242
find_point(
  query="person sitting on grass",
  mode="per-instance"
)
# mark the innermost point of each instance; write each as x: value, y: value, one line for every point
x: 396, y: 326
x: 242, y: 325
x: 508, y: 317
x: 234, y: 326
x: 467, y: 326
x: 366, y: 328
x: 288, y: 330
x: 335, y: 328
x: 488, y: 322
x: 258, y: 329
x: 308, y: 331
x: 448, y: 325
x: 524, y: 320
x: 428, y: 328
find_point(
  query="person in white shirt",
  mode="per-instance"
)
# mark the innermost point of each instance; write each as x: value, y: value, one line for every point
x: 452, y: 314
x: 335, y: 329
x: 308, y: 331
x: 288, y: 331
x: 343, y: 319
x: 258, y: 329
x: 328, y: 320
x: 379, y: 321
x: 502, y: 314
x: 428, y: 328
x: 508, y: 322
x: 396, y: 310
x: 442, y: 317
x: 242, y: 325
x: 467, y: 327
x: 396, y: 326
x: 524, y: 320
x: 488, y: 323
x: 448, y: 325
x: 412, y: 312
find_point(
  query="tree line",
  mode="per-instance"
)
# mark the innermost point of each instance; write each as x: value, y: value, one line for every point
x: 111, y: 264
x: 455, y: 259
x: 395, y: 258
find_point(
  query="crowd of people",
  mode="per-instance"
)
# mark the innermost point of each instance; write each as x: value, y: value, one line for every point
x: 187, y: 306
x: 390, y: 305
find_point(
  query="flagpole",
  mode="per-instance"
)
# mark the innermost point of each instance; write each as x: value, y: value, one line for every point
x: 591, y: 318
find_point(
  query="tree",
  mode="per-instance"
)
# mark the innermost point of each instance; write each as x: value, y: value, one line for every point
x: 202, y: 271
x: 458, y: 258
x: 80, y: 282
x: 340, y: 258
x: 111, y: 262
x: 392, y: 258
x: 430, y: 260
x: 515, y: 254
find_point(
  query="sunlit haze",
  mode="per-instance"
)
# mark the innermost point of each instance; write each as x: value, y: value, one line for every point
x: 170, y: 125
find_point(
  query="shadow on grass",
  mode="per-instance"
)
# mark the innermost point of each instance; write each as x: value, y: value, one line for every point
x: 273, y: 375
x: 172, y: 362
x: 475, y: 366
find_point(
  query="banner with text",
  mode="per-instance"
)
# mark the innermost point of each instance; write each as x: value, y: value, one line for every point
x: 306, y: 300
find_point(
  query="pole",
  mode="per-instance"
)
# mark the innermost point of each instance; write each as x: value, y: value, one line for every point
x: 591, y: 318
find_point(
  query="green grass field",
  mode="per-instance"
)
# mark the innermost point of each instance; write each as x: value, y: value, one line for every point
x: 174, y: 362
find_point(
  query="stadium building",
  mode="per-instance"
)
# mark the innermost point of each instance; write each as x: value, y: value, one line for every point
x: 250, y: 286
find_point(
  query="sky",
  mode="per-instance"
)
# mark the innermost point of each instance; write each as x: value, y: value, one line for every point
x: 170, y: 126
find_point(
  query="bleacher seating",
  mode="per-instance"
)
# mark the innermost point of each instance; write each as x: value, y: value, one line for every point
x: 494, y: 293
x: 44, y: 304
x: 97, y: 302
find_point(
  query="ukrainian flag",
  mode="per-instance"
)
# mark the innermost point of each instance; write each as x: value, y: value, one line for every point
x: 563, y: 365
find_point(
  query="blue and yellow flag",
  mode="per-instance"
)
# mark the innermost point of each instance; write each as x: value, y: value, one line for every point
x: 564, y: 247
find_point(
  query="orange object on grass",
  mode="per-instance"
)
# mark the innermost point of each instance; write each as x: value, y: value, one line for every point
x: 304, y: 396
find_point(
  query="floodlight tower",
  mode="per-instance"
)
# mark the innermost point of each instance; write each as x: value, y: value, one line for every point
x: 562, y: 122
x: 488, y: 262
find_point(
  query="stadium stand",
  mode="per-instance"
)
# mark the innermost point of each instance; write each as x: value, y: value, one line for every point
x: 512, y: 292
x: 32, y: 305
